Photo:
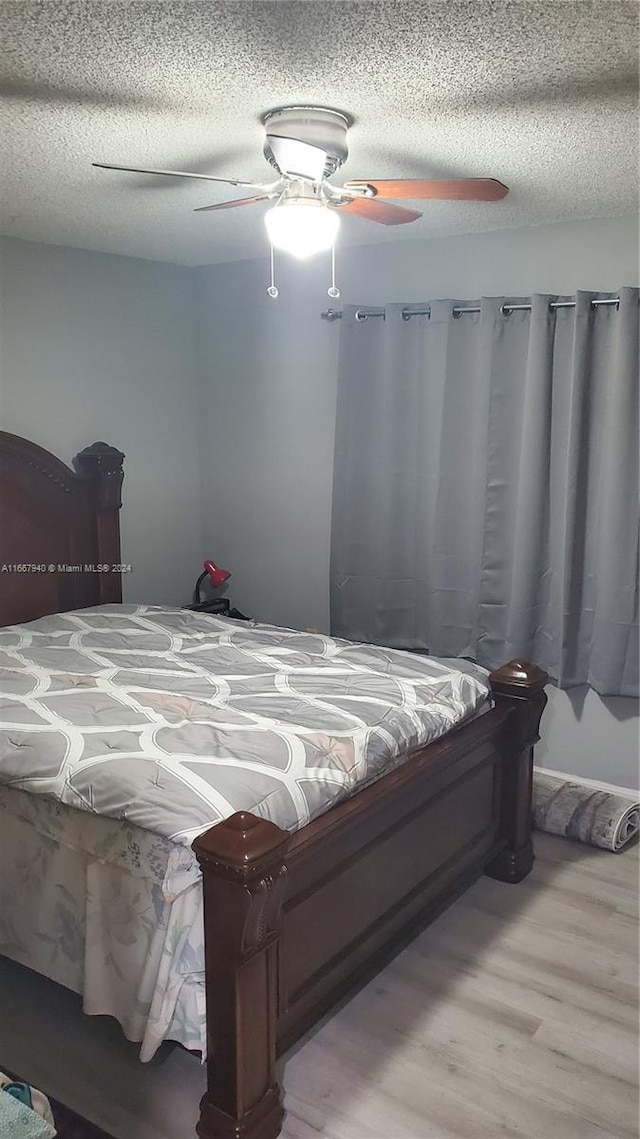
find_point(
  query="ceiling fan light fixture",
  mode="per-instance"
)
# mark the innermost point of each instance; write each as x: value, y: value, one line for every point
x: 302, y: 227
x: 297, y: 159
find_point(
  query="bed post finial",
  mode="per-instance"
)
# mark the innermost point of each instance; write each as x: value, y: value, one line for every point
x: 244, y: 880
x: 101, y: 465
x: 519, y: 687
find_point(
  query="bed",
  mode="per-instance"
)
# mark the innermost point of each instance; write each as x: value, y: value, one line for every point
x: 293, y: 918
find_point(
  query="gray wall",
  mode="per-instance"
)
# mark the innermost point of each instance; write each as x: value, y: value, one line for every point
x: 94, y: 346
x: 268, y: 410
x: 268, y: 416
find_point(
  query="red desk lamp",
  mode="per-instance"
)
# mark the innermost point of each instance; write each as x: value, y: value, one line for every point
x: 216, y: 576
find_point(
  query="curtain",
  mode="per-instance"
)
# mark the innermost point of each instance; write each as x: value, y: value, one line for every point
x: 485, y: 498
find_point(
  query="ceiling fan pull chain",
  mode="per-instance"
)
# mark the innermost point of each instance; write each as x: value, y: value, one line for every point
x: 333, y: 291
x: 272, y: 291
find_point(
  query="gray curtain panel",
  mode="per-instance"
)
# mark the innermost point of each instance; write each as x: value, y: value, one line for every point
x: 485, y: 496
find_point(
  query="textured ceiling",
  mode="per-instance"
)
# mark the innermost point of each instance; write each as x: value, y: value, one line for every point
x: 541, y: 95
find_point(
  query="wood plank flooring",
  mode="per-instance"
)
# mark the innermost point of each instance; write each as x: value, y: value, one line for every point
x: 514, y: 1016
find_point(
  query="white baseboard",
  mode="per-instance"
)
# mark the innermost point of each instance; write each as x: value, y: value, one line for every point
x: 626, y: 792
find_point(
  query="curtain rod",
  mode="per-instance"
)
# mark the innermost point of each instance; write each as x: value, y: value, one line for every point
x: 332, y: 314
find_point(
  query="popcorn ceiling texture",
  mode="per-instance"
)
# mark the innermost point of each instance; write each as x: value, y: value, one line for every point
x: 541, y: 95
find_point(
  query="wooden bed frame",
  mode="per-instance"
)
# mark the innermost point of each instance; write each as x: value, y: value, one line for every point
x: 57, y: 527
x: 293, y: 922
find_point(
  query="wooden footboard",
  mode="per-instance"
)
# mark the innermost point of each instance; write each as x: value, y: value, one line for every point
x: 292, y: 923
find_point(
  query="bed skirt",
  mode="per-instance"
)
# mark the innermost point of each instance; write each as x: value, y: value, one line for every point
x: 109, y: 911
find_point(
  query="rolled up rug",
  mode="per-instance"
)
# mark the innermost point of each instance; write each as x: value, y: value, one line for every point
x: 584, y: 813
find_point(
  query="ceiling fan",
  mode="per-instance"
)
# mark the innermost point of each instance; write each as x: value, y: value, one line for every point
x: 306, y: 146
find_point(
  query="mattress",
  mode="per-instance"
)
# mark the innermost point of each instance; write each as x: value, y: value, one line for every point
x: 127, y: 730
x: 174, y: 720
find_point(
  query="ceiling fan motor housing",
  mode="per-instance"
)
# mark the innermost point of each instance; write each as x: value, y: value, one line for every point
x: 317, y: 126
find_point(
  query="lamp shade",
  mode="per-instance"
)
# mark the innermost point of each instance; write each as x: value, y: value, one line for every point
x: 302, y: 227
x: 216, y: 574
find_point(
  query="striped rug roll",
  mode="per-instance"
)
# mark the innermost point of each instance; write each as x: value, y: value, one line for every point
x: 583, y: 813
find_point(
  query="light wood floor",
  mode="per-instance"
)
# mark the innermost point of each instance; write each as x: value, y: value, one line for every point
x: 514, y: 1016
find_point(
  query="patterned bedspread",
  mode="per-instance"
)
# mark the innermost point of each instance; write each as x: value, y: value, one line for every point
x: 173, y: 720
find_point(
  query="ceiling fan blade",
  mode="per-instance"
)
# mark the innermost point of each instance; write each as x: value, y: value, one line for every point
x: 440, y: 189
x: 178, y: 174
x: 373, y: 210
x: 235, y: 202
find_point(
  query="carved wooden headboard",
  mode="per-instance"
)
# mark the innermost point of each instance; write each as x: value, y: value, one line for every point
x: 59, y: 529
